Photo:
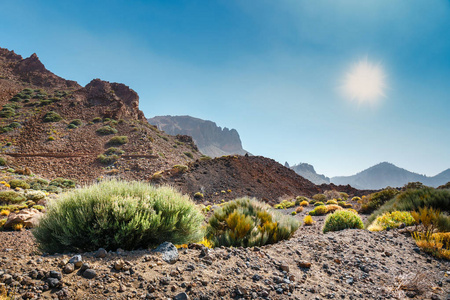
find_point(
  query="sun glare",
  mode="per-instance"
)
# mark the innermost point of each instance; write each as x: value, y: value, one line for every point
x: 365, y: 82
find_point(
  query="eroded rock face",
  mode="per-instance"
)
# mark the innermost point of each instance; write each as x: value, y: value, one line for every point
x: 211, y: 139
x: 33, y: 71
x: 118, y: 99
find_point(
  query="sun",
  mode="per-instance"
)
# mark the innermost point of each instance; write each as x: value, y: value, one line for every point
x: 365, y: 82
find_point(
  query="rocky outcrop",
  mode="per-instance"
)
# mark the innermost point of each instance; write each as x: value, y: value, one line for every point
x: 211, y: 139
x: 30, y: 70
x: 118, y: 99
x: 307, y: 171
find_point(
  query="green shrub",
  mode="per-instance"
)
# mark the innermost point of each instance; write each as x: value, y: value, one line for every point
x: 178, y: 169
x: 376, y: 200
x: 15, y: 99
x: 332, y: 202
x: 344, y: 204
x: 7, y: 112
x: 39, y: 207
x: 204, y: 158
x: 105, y: 130
x: 11, y: 197
x: 97, y: 120
x: 343, y: 195
x: 118, y: 214
x: 412, y: 200
x: 76, y: 122
x: 38, y: 184
x: 392, y: 220
x: 285, y: 204
x: 319, y: 211
x: 63, y: 183
x: 107, y: 159
x: 319, y: 197
x: 19, y: 183
x: 342, y: 219
x: 189, y: 154
x: 318, y: 203
x: 118, y: 140
x: 246, y: 222
x: 198, y: 195
x: 300, y: 199
x: 3, y: 161
x: 113, y: 150
x: 14, y: 125
x: 72, y: 126
x: 52, y: 116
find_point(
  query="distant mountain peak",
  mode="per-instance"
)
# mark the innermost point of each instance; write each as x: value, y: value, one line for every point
x: 211, y: 139
x: 386, y: 174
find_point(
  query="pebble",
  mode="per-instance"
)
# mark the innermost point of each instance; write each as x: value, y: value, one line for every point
x: 89, y: 274
x: 76, y: 260
x: 101, y: 253
x: 69, y: 268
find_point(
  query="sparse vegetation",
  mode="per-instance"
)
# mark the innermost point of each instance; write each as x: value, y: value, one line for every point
x: 52, y: 116
x: 118, y: 140
x: 412, y: 200
x: 189, y: 154
x: 319, y: 211
x: 198, y: 195
x: 319, y: 197
x: 11, y: 197
x: 392, y: 220
x: 376, y: 200
x: 106, y: 130
x: 342, y: 219
x: 117, y: 214
x: 246, y: 222
x: 18, y: 183
x: 308, y: 220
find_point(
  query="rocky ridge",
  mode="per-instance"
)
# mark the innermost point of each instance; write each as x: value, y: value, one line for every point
x: 211, y: 139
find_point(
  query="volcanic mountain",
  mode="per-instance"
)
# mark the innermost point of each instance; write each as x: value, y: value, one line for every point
x: 386, y: 174
x: 56, y: 128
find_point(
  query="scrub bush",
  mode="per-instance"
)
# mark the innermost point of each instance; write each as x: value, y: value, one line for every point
x: 246, y: 222
x: 342, y: 219
x: 118, y: 214
x: 105, y: 130
x: 52, y: 116
x: 392, y: 220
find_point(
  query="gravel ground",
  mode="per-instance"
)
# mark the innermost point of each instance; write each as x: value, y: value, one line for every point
x: 349, y: 264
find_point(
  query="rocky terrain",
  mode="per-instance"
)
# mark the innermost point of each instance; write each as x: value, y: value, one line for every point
x: 52, y: 127
x: 348, y: 264
x: 230, y: 177
x: 28, y: 91
x: 211, y: 139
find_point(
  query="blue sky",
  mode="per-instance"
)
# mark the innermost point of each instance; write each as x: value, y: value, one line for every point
x: 270, y: 69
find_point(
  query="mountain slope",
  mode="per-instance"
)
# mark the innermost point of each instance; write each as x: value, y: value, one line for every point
x: 211, y: 139
x: 51, y: 147
x: 386, y: 174
x: 230, y: 177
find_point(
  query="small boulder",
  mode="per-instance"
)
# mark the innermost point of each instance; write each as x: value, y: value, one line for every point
x: 169, y: 252
x: 76, y: 260
x: 181, y: 296
x: 89, y: 274
x: 101, y: 253
x: 29, y: 217
x: 69, y: 268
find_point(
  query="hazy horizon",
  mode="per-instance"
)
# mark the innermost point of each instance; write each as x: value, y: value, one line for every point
x: 340, y: 85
